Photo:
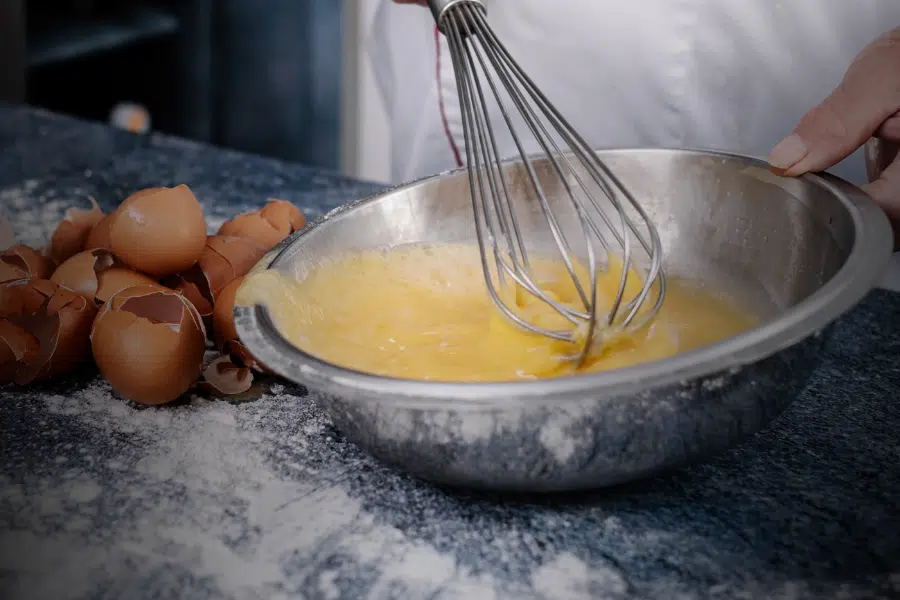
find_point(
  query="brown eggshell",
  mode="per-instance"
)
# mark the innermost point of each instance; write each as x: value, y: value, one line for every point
x: 79, y: 273
x: 22, y: 262
x: 223, y: 314
x: 159, y: 232
x: 73, y: 231
x: 283, y: 216
x: 145, y: 192
x: 61, y: 325
x: 98, y: 238
x: 225, y: 377
x: 193, y: 285
x: 241, y: 356
x: 268, y: 225
x: 239, y: 254
x: 97, y: 275
x: 252, y: 226
x: 24, y: 296
x: 17, y: 346
x: 149, y: 343
x: 223, y: 259
x: 115, y: 279
x: 224, y: 332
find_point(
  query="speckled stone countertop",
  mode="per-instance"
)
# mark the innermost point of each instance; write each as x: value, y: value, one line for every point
x: 264, y: 499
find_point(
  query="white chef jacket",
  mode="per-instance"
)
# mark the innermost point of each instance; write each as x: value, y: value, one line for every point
x: 732, y: 75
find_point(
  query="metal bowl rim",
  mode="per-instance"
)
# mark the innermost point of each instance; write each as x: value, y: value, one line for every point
x: 869, y: 256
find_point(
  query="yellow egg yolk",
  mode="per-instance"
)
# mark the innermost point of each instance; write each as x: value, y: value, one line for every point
x: 423, y: 312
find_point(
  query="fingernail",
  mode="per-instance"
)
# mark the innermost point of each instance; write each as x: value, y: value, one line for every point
x: 788, y: 152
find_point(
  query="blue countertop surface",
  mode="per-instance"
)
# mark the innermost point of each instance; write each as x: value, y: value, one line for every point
x: 264, y: 499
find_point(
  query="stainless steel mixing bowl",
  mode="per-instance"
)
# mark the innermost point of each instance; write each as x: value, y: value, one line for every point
x: 802, y: 251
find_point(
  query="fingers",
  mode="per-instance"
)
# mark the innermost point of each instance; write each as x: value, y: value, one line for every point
x: 865, y: 101
x: 886, y: 192
x: 890, y: 129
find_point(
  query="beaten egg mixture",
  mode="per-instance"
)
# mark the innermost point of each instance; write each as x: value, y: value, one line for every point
x: 423, y: 312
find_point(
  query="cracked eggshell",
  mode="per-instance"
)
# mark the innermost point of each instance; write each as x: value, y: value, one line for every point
x: 17, y: 346
x: 22, y: 262
x: 57, y: 319
x: 223, y: 260
x: 149, y: 344
x: 223, y: 315
x: 267, y: 226
x: 225, y: 377
x: 97, y: 275
x: 283, y: 215
x: 160, y: 231
x: 23, y: 296
x: 239, y: 256
x: 192, y: 284
x: 73, y: 231
x: 225, y: 333
x: 98, y: 238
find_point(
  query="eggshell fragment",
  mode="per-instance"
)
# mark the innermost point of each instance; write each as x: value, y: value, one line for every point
x: 57, y: 319
x: 17, y: 346
x: 239, y: 254
x: 253, y: 226
x: 267, y: 226
x: 223, y: 259
x: 225, y: 333
x: 159, y: 232
x: 98, y: 238
x: 149, y: 343
x: 73, y: 231
x: 22, y: 262
x: 97, y: 275
x: 283, y: 215
x: 193, y: 285
x: 24, y: 296
x: 223, y: 314
x: 223, y: 376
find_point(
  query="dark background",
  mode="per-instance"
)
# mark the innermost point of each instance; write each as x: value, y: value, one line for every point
x: 255, y: 75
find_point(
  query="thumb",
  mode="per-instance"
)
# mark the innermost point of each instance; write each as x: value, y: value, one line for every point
x: 868, y: 96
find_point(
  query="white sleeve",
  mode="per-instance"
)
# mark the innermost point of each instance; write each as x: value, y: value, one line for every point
x: 400, y: 43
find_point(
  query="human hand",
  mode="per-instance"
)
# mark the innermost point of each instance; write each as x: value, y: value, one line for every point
x: 865, y: 106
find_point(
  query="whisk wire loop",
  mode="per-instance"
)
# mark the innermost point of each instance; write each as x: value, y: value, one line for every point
x: 501, y: 239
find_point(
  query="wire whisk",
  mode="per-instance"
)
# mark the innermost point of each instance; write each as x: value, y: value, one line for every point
x: 608, y: 226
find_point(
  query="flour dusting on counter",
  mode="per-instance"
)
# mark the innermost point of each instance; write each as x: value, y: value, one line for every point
x: 263, y: 499
x: 207, y: 488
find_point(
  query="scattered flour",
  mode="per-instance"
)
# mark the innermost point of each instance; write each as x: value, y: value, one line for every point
x: 554, y: 435
x: 223, y: 491
x: 34, y: 212
x: 568, y: 578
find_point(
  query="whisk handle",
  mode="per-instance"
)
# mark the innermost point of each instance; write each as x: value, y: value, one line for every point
x: 879, y: 154
x: 439, y: 8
